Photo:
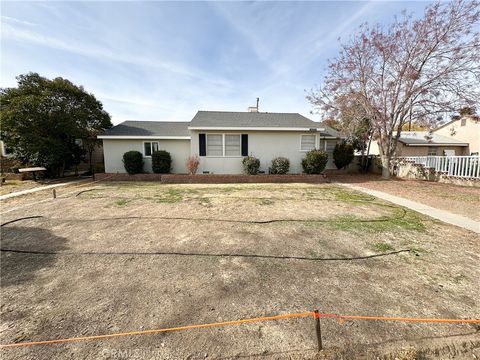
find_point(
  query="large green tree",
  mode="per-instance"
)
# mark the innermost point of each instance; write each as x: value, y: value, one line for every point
x: 42, y: 118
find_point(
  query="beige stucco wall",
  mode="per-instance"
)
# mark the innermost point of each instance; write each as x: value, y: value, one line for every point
x: 403, y: 150
x: 265, y: 145
x: 470, y: 133
x: 114, y: 149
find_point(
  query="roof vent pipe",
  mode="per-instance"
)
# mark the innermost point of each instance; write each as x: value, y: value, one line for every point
x: 254, y: 108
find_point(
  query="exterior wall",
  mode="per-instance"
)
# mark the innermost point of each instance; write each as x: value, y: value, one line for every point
x: 469, y: 133
x: 265, y: 145
x: 114, y: 149
x: 403, y: 150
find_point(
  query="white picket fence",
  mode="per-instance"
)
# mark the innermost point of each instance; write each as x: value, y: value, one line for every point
x: 452, y: 166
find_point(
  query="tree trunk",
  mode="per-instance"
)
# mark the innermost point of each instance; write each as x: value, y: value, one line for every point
x: 90, y: 158
x: 367, y: 165
x: 385, y: 166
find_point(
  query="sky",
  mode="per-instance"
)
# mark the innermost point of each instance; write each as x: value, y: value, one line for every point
x: 164, y: 61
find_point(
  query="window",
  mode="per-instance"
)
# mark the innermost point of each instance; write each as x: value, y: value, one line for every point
x: 214, y: 145
x: 150, y: 147
x: 307, y: 142
x: 432, y: 151
x: 232, y: 145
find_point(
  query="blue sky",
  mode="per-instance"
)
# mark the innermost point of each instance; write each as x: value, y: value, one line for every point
x: 166, y: 60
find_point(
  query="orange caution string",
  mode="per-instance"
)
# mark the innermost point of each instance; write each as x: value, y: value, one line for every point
x: 154, y: 331
x: 383, y: 318
x: 242, y: 321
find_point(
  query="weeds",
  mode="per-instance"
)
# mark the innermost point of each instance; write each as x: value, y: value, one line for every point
x: 205, y: 201
x: 172, y: 196
x: 382, y: 247
x: 266, y: 202
x: 121, y: 202
x: 398, y: 220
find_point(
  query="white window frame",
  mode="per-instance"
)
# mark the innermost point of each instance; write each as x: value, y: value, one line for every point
x: 316, y: 142
x: 223, y: 145
x: 151, y: 148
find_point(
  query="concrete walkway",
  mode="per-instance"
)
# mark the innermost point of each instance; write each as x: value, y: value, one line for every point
x: 442, y: 215
x: 40, y: 188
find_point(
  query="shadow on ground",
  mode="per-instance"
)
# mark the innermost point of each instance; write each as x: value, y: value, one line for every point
x: 17, y: 268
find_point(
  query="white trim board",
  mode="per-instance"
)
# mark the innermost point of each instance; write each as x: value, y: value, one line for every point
x: 223, y: 128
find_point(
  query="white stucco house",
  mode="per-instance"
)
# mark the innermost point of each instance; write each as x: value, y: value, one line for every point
x: 221, y: 139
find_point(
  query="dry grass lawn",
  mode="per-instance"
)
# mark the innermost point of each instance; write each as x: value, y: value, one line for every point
x: 133, y: 256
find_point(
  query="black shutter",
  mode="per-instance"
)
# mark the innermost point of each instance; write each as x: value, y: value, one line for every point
x: 202, y: 151
x: 244, y: 144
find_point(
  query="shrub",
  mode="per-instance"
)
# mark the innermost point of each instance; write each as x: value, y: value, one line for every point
x: 342, y: 155
x: 133, y: 162
x: 315, y: 162
x: 192, y: 164
x: 161, y: 162
x: 251, y: 165
x: 280, y: 165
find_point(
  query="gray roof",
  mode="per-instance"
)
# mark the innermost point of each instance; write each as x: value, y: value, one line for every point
x: 149, y: 128
x: 418, y: 138
x: 212, y: 119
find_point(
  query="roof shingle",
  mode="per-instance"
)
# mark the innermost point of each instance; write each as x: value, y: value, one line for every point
x: 149, y: 128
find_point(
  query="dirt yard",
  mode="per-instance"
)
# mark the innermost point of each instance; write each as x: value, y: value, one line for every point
x: 461, y: 200
x: 122, y: 257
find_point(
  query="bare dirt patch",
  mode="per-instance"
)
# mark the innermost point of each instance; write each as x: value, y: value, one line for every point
x: 174, y: 270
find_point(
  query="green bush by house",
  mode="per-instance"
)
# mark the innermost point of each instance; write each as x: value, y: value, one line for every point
x: 342, y: 155
x: 133, y: 162
x: 280, y: 165
x: 315, y: 161
x: 161, y: 162
x: 251, y: 165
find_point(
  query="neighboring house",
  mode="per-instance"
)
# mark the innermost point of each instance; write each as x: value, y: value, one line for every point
x: 422, y: 143
x: 466, y: 130
x: 221, y: 139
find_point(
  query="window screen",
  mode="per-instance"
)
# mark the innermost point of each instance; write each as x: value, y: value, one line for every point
x: 232, y: 145
x: 307, y: 142
x: 214, y: 145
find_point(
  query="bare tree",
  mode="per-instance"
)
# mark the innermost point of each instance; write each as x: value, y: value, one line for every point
x: 414, y: 69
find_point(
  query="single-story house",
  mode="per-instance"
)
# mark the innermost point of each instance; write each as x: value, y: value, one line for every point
x: 221, y: 139
x: 422, y: 143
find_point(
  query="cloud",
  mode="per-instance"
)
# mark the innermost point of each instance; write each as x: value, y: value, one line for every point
x: 18, y: 21
x: 102, y: 53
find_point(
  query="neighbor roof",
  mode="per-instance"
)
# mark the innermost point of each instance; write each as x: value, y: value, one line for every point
x: 230, y: 119
x: 418, y: 138
x: 149, y: 129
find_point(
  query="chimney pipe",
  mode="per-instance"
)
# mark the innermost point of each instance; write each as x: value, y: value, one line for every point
x: 258, y: 99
